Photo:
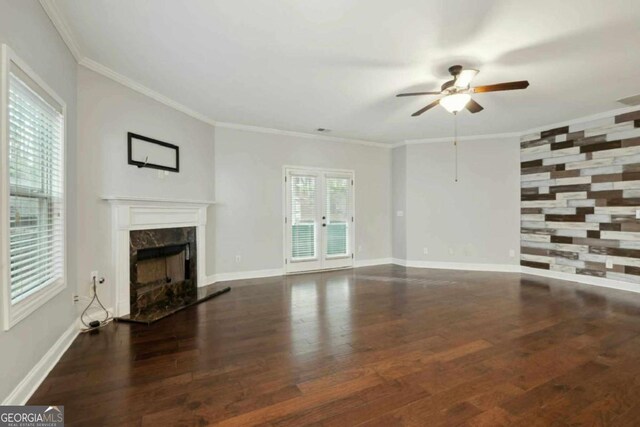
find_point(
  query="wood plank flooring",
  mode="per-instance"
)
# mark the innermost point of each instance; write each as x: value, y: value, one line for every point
x: 375, y: 346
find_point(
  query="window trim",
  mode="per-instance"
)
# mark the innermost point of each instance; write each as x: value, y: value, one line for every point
x: 14, y: 313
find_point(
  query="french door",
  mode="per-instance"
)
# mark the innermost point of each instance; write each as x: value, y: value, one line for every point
x: 319, y: 219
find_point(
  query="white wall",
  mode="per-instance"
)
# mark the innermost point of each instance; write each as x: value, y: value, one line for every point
x: 106, y: 112
x: 249, y: 191
x: 25, y: 27
x: 478, y: 217
x: 399, y: 202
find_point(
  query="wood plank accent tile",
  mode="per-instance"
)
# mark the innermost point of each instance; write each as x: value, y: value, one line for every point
x: 580, y: 191
x: 531, y: 164
x: 627, y: 117
x: 565, y: 174
x: 561, y: 145
x: 631, y: 142
x: 553, y: 132
x: 601, y: 146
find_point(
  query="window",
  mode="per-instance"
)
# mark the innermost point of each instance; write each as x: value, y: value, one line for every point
x: 32, y: 190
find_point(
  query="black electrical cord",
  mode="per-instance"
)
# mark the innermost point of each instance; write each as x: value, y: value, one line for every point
x: 107, y: 319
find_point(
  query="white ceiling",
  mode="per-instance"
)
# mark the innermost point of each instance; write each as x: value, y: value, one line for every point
x: 299, y: 65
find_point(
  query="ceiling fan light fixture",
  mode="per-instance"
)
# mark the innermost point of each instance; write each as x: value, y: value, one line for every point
x: 463, y: 80
x: 456, y: 102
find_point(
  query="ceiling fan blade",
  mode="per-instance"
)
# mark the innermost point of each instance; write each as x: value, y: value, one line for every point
x: 473, y: 106
x: 417, y: 93
x: 523, y: 84
x: 463, y: 80
x: 428, y: 107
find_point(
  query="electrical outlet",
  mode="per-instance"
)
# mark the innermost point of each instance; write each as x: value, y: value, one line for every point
x: 399, y: 213
x: 360, y: 248
x: 425, y: 251
x: 609, y: 263
x: 512, y: 253
x: 637, y: 213
x: 75, y: 298
x: 94, y: 276
x: 451, y: 251
x: 238, y: 259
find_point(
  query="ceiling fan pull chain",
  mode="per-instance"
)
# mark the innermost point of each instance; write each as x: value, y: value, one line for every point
x: 455, y: 143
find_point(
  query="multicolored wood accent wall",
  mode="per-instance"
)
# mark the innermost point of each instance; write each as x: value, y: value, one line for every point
x: 580, y: 193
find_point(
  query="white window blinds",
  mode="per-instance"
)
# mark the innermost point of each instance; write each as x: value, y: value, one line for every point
x: 303, y: 217
x: 338, y: 208
x: 36, y: 142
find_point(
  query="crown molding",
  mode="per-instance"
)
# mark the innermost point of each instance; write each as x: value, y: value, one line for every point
x: 460, y: 138
x: 538, y: 129
x: 260, y: 129
x: 51, y: 9
x: 132, y: 84
x: 63, y: 28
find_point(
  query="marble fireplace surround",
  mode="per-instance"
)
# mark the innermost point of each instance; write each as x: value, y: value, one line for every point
x: 138, y: 213
x: 175, y: 249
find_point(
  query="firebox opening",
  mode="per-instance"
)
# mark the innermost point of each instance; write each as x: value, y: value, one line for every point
x: 168, y: 264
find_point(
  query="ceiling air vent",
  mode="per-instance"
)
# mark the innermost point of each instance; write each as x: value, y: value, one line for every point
x: 631, y: 100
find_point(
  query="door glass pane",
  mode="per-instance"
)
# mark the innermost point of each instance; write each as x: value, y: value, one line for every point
x: 338, y: 215
x: 303, y: 217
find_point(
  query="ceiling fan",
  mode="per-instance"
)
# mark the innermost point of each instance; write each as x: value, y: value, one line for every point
x: 457, y: 91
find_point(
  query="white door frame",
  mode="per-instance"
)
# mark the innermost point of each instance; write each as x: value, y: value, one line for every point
x: 352, y: 233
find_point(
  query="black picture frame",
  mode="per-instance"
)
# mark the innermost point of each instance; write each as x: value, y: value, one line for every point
x: 131, y: 136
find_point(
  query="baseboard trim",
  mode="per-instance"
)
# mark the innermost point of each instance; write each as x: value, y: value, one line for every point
x: 29, y: 384
x: 502, y: 268
x: 372, y: 262
x: 243, y: 275
x: 258, y: 274
x: 586, y: 280
x: 506, y: 268
x: 509, y: 268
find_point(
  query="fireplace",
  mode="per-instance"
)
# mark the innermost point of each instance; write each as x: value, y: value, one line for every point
x: 163, y: 271
x: 136, y: 224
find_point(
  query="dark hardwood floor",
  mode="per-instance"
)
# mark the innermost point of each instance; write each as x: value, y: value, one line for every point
x: 380, y: 346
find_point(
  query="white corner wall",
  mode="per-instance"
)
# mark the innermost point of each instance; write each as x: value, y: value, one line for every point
x: 249, y: 191
x: 25, y: 27
x: 472, y: 221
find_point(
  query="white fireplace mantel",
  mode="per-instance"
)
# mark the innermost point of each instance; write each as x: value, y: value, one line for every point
x: 140, y: 213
